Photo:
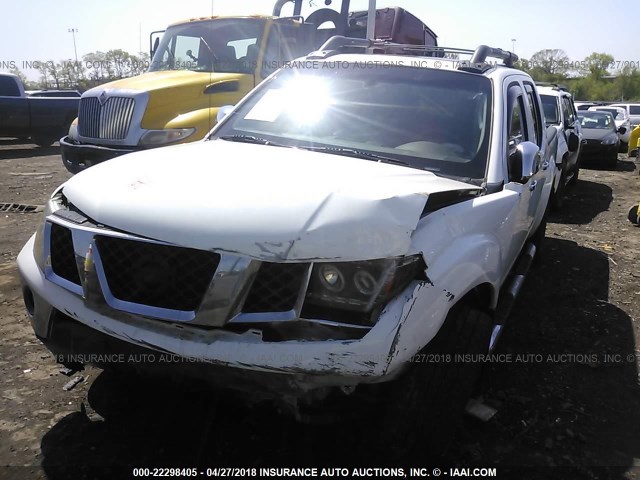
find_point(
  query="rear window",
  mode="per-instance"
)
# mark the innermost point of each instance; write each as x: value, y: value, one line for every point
x: 8, y: 87
x: 634, y: 109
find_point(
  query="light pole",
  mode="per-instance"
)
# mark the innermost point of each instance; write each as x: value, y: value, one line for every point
x: 73, y: 31
x: 513, y: 45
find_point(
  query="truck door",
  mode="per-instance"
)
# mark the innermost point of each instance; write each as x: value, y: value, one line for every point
x: 535, y: 122
x: 519, y: 130
x: 14, y: 108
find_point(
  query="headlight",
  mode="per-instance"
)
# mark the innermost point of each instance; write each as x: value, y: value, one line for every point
x: 361, y: 286
x: 164, y: 137
x: 73, y: 130
x: 55, y: 203
x: 609, y: 141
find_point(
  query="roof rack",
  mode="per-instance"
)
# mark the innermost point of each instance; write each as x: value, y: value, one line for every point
x: 477, y: 63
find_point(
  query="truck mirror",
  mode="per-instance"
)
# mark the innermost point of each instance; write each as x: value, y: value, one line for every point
x: 154, y: 42
x: 524, y: 162
x: 573, y: 142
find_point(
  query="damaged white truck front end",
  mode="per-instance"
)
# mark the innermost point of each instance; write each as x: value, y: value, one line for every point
x: 309, y: 246
x: 207, y: 273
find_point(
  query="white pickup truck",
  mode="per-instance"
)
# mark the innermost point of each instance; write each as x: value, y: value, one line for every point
x: 337, y: 229
x: 564, y: 134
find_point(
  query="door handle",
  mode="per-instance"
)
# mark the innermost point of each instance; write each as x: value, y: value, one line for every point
x: 533, y: 185
x: 545, y: 165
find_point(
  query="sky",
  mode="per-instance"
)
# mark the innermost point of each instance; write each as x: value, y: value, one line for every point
x: 39, y: 29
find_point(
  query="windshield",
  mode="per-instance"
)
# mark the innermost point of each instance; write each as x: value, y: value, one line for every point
x: 596, y: 120
x: 221, y: 45
x: 550, y: 106
x: 617, y: 114
x: 431, y: 119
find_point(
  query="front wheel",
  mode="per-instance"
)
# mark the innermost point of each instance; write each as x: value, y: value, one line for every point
x: 557, y: 198
x: 573, y: 181
x: 425, y: 405
x: 44, y: 141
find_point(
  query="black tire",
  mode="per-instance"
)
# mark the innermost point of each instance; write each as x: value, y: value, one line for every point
x: 44, y: 141
x: 557, y: 197
x: 538, y: 239
x: 573, y: 181
x: 425, y: 405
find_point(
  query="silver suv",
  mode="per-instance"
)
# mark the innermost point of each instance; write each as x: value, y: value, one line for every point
x: 564, y: 135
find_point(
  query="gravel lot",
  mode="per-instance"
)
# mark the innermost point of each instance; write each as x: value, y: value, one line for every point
x: 566, y: 391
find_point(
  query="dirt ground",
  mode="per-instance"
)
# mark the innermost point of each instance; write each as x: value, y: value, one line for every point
x: 566, y: 389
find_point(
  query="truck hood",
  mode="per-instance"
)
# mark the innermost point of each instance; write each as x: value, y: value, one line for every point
x: 597, y: 133
x: 265, y: 202
x: 158, y: 81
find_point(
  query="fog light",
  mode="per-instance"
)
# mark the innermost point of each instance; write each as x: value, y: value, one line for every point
x: 331, y: 278
x: 29, y: 302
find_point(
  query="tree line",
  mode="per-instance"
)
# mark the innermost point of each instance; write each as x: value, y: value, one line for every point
x: 94, y: 69
x: 598, y: 77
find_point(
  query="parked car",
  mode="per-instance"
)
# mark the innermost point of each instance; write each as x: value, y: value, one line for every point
x: 601, y: 137
x: 634, y: 214
x: 41, y: 118
x: 585, y: 105
x: 565, y: 137
x: 622, y: 120
x: 634, y: 142
x: 53, y: 93
x: 633, y: 111
x: 338, y: 227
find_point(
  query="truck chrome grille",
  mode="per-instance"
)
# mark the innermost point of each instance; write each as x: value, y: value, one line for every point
x: 276, y: 287
x: 161, y: 276
x: 63, y: 258
x: 143, y: 277
x: 109, y: 121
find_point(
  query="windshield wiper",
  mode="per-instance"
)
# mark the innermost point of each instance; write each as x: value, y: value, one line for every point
x: 251, y: 139
x: 352, y: 152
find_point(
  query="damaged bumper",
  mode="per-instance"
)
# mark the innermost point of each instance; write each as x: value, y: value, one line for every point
x: 249, y: 361
x: 77, y: 157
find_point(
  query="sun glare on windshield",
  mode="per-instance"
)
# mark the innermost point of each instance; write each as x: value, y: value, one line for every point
x: 317, y: 99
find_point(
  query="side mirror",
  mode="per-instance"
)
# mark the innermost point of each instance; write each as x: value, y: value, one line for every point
x: 223, y: 112
x: 573, y: 142
x: 622, y: 130
x: 524, y: 163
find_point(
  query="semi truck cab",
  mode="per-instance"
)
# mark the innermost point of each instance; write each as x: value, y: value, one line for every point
x: 202, y: 64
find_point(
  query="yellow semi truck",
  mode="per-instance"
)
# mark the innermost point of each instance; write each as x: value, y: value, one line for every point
x: 202, y: 64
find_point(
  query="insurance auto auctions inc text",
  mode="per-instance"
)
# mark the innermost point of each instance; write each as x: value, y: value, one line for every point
x: 376, y: 472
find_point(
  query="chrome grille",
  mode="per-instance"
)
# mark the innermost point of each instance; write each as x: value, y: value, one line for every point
x: 162, y: 276
x: 109, y: 121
